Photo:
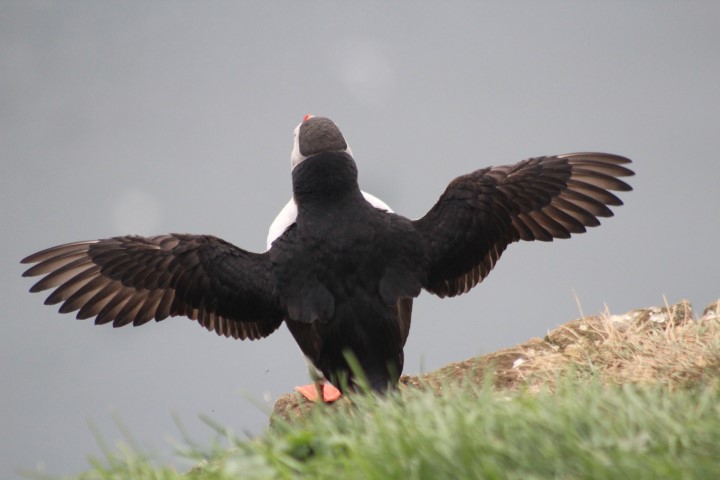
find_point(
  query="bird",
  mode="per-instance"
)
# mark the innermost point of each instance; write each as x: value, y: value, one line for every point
x: 340, y: 271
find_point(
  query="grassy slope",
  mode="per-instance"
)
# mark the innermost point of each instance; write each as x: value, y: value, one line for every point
x: 589, y: 432
x: 631, y: 397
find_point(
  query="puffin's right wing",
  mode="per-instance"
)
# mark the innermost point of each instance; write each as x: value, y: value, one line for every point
x: 481, y: 213
x: 134, y: 279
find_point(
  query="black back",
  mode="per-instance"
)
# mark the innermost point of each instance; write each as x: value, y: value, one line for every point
x: 346, y: 273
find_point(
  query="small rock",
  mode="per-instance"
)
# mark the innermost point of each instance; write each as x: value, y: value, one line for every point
x: 712, y: 311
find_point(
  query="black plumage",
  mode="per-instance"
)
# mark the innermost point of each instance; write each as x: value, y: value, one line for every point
x: 344, y: 274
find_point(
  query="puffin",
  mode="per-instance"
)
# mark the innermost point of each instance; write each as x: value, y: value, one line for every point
x: 341, y: 268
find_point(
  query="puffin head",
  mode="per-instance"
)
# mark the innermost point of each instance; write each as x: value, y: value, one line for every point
x: 316, y: 135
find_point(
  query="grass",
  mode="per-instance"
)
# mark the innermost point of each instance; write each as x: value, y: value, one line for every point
x: 604, y: 397
x: 600, y: 432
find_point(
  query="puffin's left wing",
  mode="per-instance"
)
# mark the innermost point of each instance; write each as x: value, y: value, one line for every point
x: 481, y: 213
x: 134, y: 279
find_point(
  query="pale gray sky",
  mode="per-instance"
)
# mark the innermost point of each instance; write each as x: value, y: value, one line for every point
x: 153, y: 117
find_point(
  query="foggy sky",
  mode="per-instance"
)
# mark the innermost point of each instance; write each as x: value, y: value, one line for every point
x: 154, y: 117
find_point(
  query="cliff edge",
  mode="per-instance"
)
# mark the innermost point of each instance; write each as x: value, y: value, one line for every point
x: 666, y: 345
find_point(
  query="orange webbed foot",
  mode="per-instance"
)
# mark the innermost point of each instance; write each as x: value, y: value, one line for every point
x: 327, y: 390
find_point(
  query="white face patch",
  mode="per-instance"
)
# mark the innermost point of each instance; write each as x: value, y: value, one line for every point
x: 296, y: 157
x: 288, y: 215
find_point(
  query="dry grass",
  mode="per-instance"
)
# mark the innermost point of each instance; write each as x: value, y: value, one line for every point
x: 660, y: 345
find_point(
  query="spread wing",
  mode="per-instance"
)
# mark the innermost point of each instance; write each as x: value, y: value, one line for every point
x: 481, y: 213
x: 135, y: 279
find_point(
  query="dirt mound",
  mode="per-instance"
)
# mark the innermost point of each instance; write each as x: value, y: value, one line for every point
x: 659, y: 344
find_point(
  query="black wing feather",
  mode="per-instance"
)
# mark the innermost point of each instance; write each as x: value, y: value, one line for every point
x: 481, y: 213
x: 134, y: 279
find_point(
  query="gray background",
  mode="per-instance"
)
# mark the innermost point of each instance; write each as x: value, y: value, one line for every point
x: 153, y: 117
